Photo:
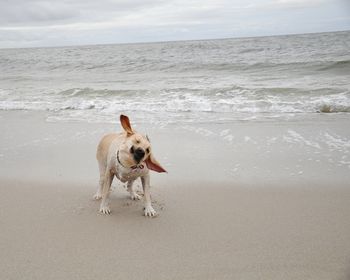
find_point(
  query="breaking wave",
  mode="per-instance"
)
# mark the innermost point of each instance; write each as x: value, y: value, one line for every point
x: 90, y: 103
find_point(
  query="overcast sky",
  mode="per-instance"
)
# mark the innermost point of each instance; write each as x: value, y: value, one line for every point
x: 34, y: 23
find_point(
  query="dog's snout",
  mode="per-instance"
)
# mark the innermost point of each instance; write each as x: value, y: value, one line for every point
x: 139, y: 154
x: 139, y: 151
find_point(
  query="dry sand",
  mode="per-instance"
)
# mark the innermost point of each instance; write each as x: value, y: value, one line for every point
x: 228, y: 209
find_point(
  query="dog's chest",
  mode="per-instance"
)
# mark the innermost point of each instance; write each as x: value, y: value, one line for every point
x: 128, y: 174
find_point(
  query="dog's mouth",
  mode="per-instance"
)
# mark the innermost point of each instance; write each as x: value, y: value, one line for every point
x: 138, y: 154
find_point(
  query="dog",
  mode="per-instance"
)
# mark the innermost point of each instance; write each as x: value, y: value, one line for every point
x: 127, y: 156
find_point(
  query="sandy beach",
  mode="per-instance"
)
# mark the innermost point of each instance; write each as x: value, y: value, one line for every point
x: 242, y: 200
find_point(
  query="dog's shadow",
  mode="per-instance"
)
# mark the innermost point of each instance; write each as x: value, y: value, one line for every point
x: 121, y: 203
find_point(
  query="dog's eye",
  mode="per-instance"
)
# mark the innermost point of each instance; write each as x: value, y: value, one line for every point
x: 137, y: 141
x: 147, y: 150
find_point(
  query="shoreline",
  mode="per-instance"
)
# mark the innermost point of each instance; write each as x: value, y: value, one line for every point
x: 309, y: 152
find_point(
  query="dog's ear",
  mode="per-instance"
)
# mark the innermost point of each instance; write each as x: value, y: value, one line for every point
x: 124, y: 120
x: 153, y: 164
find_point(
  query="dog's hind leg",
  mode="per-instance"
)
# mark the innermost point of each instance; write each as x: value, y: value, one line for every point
x: 102, y: 168
x: 133, y: 194
x: 108, y: 179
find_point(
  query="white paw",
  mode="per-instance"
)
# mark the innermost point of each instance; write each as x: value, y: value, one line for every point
x: 105, y: 209
x: 135, y: 196
x: 97, y: 196
x: 150, y: 212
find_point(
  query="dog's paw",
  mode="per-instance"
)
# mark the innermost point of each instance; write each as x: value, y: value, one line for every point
x: 149, y: 211
x: 97, y: 196
x: 135, y: 196
x: 105, y: 210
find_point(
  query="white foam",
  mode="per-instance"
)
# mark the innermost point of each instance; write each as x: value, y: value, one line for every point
x: 192, y: 106
x: 224, y: 132
x: 298, y: 138
x: 336, y: 142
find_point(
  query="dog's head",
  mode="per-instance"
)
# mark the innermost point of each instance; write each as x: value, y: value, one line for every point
x: 137, y: 147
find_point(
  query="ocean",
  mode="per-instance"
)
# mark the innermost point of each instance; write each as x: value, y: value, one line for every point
x: 243, y: 79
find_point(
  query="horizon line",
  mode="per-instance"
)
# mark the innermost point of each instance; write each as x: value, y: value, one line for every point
x: 173, y: 41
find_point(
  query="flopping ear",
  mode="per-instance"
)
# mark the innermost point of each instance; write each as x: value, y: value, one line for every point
x: 124, y: 120
x: 154, y: 165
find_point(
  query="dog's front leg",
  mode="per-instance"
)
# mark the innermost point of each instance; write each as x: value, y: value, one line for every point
x: 104, y: 207
x: 133, y: 194
x: 149, y: 211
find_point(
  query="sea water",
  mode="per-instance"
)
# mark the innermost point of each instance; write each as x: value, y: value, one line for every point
x: 243, y: 79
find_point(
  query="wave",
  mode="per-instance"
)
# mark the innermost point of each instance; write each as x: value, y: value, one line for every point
x: 333, y: 108
x: 90, y: 92
x: 301, y: 67
x: 232, y: 100
x: 251, y: 50
x: 336, y: 65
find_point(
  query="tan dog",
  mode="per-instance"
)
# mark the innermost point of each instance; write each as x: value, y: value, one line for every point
x: 128, y: 156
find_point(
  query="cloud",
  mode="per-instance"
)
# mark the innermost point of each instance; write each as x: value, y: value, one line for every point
x: 48, y: 22
x: 296, y: 3
x: 39, y: 12
x: 33, y: 12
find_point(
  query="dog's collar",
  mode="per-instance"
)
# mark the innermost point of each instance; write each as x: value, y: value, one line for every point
x: 140, y: 166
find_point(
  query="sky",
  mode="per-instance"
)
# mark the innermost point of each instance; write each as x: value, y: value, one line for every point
x: 42, y: 23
